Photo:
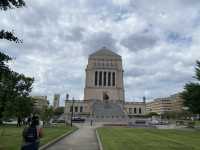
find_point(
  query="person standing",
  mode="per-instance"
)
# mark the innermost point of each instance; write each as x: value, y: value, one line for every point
x: 19, y: 122
x: 32, y: 135
x: 91, y: 122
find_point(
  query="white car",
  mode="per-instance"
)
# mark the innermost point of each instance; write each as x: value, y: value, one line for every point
x: 154, y: 122
x: 10, y: 121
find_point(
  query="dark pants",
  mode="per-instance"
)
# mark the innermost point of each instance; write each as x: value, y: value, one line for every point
x: 30, y: 146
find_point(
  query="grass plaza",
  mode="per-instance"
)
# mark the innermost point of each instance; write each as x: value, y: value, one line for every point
x: 12, y: 136
x: 151, y: 139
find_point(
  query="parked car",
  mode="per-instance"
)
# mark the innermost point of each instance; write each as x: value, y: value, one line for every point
x: 140, y: 122
x: 10, y: 121
x: 78, y: 119
x: 154, y: 122
x: 164, y: 122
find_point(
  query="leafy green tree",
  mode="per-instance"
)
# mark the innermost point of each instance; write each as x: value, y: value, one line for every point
x: 151, y: 114
x: 14, y: 95
x: 9, y: 4
x: 5, y: 82
x: 191, y: 93
x: 176, y: 115
x: 59, y: 111
x: 5, y: 5
x: 14, y: 87
x: 22, y: 102
x: 46, y: 114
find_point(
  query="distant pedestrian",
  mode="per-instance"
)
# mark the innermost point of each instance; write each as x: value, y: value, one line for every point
x: 91, y: 122
x: 19, y: 120
x: 32, y: 135
x: 28, y: 121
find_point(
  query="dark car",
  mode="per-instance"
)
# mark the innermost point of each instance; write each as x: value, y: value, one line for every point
x: 78, y: 119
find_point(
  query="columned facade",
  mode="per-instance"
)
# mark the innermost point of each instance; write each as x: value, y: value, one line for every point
x: 104, y: 74
x: 104, y: 79
x: 104, y: 90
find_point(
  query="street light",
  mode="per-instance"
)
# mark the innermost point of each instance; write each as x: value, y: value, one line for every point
x: 66, y: 114
x: 72, y: 110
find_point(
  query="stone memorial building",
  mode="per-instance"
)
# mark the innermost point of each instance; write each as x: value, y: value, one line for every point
x: 104, y: 77
x: 104, y: 89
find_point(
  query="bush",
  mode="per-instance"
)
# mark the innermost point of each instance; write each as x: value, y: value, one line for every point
x: 191, y: 124
x: 152, y: 114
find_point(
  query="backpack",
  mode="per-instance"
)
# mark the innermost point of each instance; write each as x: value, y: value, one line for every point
x: 30, y: 134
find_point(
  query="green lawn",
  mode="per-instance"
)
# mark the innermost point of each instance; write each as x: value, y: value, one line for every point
x: 197, y: 123
x: 148, y: 139
x: 12, y: 138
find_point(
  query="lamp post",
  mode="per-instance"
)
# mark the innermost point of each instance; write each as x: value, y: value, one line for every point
x: 66, y: 114
x: 72, y: 110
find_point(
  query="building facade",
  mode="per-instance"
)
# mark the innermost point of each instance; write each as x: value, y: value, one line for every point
x: 177, y: 103
x: 104, y: 77
x: 104, y: 89
x: 104, y: 92
x: 135, y: 108
x: 173, y: 103
x: 56, y: 101
x: 39, y: 102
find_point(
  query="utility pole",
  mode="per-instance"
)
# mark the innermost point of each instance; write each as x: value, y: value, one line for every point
x: 72, y: 113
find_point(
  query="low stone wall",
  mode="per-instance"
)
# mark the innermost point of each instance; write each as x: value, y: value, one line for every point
x: 99, y: 140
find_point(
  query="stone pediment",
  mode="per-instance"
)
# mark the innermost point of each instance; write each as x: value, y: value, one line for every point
x: 105, y: 52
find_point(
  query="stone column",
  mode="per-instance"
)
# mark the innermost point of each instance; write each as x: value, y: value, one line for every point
x: 97, y: 78
x: 104, y: 78
x: 111, y: 78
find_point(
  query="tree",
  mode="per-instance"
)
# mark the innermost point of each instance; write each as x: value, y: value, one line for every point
x: 14, y: 87
x: 46, y: 114
x: 191, y: 93
x: 9, y: 36
x: 59, y: 111
x: 176, y: 114
x: 22, y: 102
x: 14, y: 95
x: 10, y: 4
x: 152, y: 114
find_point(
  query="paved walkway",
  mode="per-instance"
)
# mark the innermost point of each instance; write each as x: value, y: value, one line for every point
x: 82, y: 139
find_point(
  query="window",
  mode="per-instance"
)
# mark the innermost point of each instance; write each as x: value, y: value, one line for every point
x: 104, y: 79
x: 113, y: 79
x: 140, y: 110
x: 71, y: 108
x: 109, y: 78
x: 81, y: 109
x: 100, y: 78
x: 76, y: 109
x: 130, y: 110
x: 96, y: 77
x: 135, y: 110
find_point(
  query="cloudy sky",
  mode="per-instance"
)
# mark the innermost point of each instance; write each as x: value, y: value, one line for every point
x: 159, y: 42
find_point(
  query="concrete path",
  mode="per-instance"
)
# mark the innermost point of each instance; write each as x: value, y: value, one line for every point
x: 82, y: 139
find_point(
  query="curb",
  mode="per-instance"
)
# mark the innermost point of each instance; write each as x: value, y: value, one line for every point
x: 45, y: 146
x: 99, y: 140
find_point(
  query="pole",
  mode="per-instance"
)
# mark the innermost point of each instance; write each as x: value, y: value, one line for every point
x: 72, y: 111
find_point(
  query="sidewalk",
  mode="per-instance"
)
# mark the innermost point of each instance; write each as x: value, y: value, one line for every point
x: 82, y: 139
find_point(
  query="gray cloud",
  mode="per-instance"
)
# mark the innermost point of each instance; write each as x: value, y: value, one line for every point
x: 141, y: 41
x: 97, y: 40
x: 58, y: 37
x: 75, y: 34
